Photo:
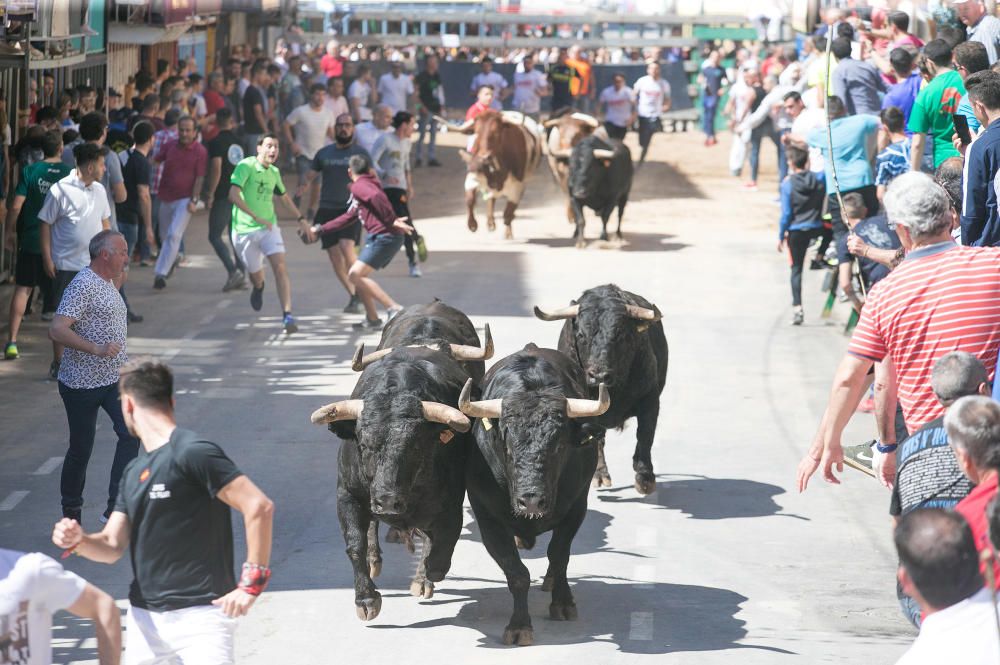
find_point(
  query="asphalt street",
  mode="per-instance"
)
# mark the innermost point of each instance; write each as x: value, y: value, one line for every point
x: 724, y: 563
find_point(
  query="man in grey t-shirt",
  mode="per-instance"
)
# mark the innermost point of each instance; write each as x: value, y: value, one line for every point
x: 92, y: 323
x: 391, y: 158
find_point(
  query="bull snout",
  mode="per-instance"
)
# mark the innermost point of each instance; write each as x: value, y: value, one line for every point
x: 532, y: 504
x: 388, y: 504
x: 597, y: 376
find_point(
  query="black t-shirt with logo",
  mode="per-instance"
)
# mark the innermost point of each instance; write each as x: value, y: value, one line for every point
x: 560, y: 77
x: 252, y: 97
x: 228, y: 147
x: 927, y: 474
x: 181, y: 535
x: 427, y: 90
x: 135, y: 172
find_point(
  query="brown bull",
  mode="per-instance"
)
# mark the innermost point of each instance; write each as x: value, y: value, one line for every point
x: 507, y: 148
x: 565, y: 132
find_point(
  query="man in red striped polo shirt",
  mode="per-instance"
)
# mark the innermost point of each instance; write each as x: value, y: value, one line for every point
x: 941, y: 298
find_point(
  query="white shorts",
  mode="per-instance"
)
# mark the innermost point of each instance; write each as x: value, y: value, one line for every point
x: 200, y: 635
x: 254, y: 246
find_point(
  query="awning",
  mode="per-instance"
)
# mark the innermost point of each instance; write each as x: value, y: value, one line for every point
x: 123, y: 33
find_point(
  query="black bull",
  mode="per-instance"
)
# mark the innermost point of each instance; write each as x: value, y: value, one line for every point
x: 530, y: 469
x: 402, y: 462
x: 600, y: 177
x: 617, y: 338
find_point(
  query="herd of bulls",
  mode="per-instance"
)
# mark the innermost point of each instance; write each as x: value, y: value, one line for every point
x: 426, y: 424
x: 591, y: 169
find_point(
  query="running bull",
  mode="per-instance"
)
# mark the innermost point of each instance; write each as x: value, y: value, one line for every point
x: 563, y: 132
x: 402, y: 462
x: 530, y: 468
x: 506, y: 149
x: 434, y: 325
x: 617, y: 339
x: 600, y: 177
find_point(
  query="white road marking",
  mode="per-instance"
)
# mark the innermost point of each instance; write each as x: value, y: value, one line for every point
x: 208, y: 318
x: 641, y: 626
x: 48, y: 466
x: 13, y: 499
x: 643, y: 574
x: 225, y: 303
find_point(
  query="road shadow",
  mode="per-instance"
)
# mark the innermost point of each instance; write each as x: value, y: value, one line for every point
x: 639, y: 618
x: 704, y: 498
x: 69, y: 633
x: 632, y: 242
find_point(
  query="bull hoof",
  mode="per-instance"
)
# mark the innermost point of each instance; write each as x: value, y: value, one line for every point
x: 620, y: 237
x: 421, y: 588
x: 473, y: 226
x: 645, y: 482
x: 491, y: 225
x: 374, y: 568
x: 601, y: 478
x: 522, y: 637
x: 563, y: 611
x: 581, y: 243
x: 547, y: 584
x: 525, y: 543
x: 368, y: 608
x: 508, y: 233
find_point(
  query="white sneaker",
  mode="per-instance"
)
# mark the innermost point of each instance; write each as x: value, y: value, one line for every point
x: 392, y: 312
x: 415, y: 270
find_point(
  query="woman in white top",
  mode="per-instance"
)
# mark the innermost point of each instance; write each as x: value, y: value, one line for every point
x: 618, y: 101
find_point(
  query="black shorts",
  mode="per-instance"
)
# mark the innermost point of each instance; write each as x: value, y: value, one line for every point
x: 614, y: 131
x: 30, y: 270
x: 398, y: 199
x: 59, y: 284
x: 349, y: 232
x: 648, y: 127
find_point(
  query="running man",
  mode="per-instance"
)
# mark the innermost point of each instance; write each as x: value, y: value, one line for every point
x: 255, y: 182
x: 652, y: 100
x: 618, y: 101
x: 173, y: 516
x: 391, y: 158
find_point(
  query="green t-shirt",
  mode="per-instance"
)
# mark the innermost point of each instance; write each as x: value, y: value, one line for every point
x: 259, y: 186
x: 932, y: 111
x: 33, y: 186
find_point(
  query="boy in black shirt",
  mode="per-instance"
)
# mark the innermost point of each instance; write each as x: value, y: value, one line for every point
x: 173, y: 515
x: 802, y: 196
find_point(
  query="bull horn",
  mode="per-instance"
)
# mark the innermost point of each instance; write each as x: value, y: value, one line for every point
x: 466, y: 352
x: 589, y: 408
x: 643, y: 313
x: 588, y: 119
x: 489, y: 408
x: 551, y: 122
x: 436, y: 412
x: 561, y: 153
x: 601, y: 153
x: 557, y: 315
x: 360, y: 361
x: 347, y: 409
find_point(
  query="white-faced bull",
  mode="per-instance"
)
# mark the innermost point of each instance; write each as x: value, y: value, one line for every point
x: 530, y: 469
x: 434, y: 325
x: 617, y: 338
x: 600, y: 177
x: 402, y: 462
x: 563, y: 131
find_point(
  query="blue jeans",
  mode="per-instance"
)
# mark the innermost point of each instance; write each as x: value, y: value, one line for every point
x: 82, y: 405
x: 766, y: 129
x: 427, y: 123
x: 709, y: 105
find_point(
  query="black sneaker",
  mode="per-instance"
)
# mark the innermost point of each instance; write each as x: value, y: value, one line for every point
x: 289, y: 323
x: 135, y: 318
x: 105, y: 516
x: 257, y: 298
x: 433, y: 162
x: 54, y: 370
x: 159, y: 282
x: 368, y: 324
x: 353, y: 306
x: 418, y: 163
x: 73, y: 514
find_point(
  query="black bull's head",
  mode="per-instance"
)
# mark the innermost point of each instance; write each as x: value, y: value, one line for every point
x: 588, y: 164
x: 396, y: 438
x: 605, y: 335
x: 538, y: 431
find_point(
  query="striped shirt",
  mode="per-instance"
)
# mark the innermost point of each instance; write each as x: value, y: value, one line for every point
x: 942, y: 298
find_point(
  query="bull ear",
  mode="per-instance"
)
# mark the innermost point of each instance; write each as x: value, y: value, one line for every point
x: 347, y: 409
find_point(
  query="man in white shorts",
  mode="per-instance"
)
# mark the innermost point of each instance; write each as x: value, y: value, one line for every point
x: 255, y: 183
x: 530, y: 85
x: 173, y: 516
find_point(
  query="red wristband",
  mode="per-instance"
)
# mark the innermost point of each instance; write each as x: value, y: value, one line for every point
x: 254, y: 578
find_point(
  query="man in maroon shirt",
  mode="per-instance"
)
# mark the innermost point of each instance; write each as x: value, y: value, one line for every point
x: 385, y: 237
x: 184, y: 163
x: 214, y: 101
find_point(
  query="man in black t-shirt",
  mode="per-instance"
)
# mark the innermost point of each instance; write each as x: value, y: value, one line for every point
x: 225, y: 151
x: 561, y: 76
x: 173, y: 515
x: 334, y: 199
x: 430, y: 92
x: 255, y: 105
x: 136, y: 210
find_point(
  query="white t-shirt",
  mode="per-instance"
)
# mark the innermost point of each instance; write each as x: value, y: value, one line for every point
x: 527, y: 86
x: 32, y: 587
x: 361, y: 91
x: 337, y: 106
x: 619, y: 105
x: 493, y: 79
x: 391, y: 156
x: 650, y: 95
x: 802, y: 126
x: 393, y: 91
x: 966, y: 633
x: 76, y: 214
x: 310, y: 127
x: 366, y: 133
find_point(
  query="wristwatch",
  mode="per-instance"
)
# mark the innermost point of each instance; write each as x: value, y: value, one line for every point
x: 885, y: 449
